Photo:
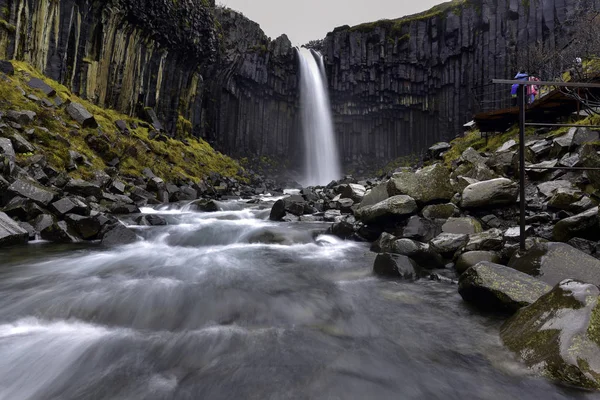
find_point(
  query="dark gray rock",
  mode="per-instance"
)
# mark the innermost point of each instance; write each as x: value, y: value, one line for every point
x: 7, y: 68
x: 393, y: 207
x: 464, y: 225
x: 21, y: 117
x: 151, y: 220
x: 492, y: 239
x: 153, y: 119
x: 87, y: 227
x: 421, y: 253
x: 7, y: 148
x: 42, y: 222
x: 491, y: 193
x: 396, y: 266
x: 83, y: 188
x: 10, y: 232
x: 494, y: 287
x: 293, y: 204
x: 376, y: 195
x: 554, y: 262
x: 120, y: 208
x: 31, y: 190
x: 117, y: 187
x: 447, y: 244
x: 39, y: 84
x: 119, y: 235
x: 471, y: 258
x: 428, y: 185
x: 81, y: 115
x: 584, y: 225
x: 440, y: 211
x: 70, y: 206
x: 354, y: 192
x: 20, y: 144
x: 435, y: 152
x: 421, y: 229
x: 59, y: 232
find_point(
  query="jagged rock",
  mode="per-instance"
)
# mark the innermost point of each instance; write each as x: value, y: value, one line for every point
x: 471, y: 258
x: 418, y: 252
x: 507, y: 146
x: 584, y: 225
x: 123, y: 208
x: 563, y: 198
x: 151, y: 220
x: 121, y: 126
x: 558, y: 334
x: 440, y: 211
x: 153, y: 119
x: 465, y: 225
x: 81, y: 115
x: 332, y: 215
x: 206, y: 206
x: 10, y: 232
x: 22, y: 209
x: 343, y: 229
x: 86, y: 227
x: 354, y: 192
x: 489, y: 240
x: 292, y: 204
x: 562, y: 144
x: 554, y: 262
x: 471, y: 156
x: 39, y: 84
x: 495, y: 192
x: 504, y: 163
x: 587, y: 246
x: 393, y: 207
x: 29, y: 228
x: 155, y: 184
x: 376, y: 195
x: 537, y: 174
x: 42, y: 222
x: 21, y: 117
x: 20, y: 144
x: 591, y: 159
x: 395, y: 265
x: 7, y: 149
x: 7, y: 68
x: 83, y: 188
x: 494, y: 287
x: 59, y: 232
x: 447, y: 244
x: 384, y: 244
x: 585, y: 135
x: 119, y: 235
x: 421, y: 229
x: 70, y: 206
x: 435, y: 152
x: 547, y: 189
x: 437, y: 187
x: 570, y: 160
x: 117, y: 187
x: 539, y: 148
x: 31, y: 190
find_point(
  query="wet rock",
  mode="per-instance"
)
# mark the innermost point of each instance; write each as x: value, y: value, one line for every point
x: 20, y: 144
x: 85, y: 226
x: 117, y: 187
x: 384, y: 244
x: 440, y: 211
x: 81, y: 115
x: 31, y: 190
x: 393, y: 207
x: 42, y: 222
x: 151, y: 220
x: 376, y: 195
x: 492, y: 239
x: 123, y: 208
x: 59, y: 232
x: 513, y: 234
x: 343, y: 229
x: 421, y: 229
x: 421, y: 253
x: 471, y: 258
x: 464, y: 225
x: 547, y: 189
x: 587, y: 246
x: 538, y: 171
x: 70, y: 206
x: 10, y: 232
x: 119, y: 235
x: 584, y: 225
x: 563, y: 198
x: 292, y: 204
x: 29, y: 228
x: 494, y: 287
x: 332, y: 215
x: 354, y: 192
x: 396, y: 266
x: 558, y: 334
x: 554, y: 262
x: 447, y: 244
x: 495, y: 192
x: 83, y: 188
x: 121, y: 126
x: 204, y: 205
x: 425, y: 186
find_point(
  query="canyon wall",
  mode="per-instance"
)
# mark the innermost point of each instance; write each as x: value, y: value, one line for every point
x: 400, y: 86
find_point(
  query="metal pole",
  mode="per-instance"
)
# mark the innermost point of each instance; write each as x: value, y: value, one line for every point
x: 521, y: 99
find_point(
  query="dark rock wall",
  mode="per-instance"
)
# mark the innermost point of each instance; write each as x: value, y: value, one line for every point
x: 396, y: 89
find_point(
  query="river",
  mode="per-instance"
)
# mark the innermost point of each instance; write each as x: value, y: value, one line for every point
x: 228, y: 305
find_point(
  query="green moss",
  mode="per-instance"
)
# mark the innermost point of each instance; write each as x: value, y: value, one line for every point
x: 9, y: 27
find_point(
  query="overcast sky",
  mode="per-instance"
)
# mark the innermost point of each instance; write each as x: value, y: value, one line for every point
x: 304, y: 20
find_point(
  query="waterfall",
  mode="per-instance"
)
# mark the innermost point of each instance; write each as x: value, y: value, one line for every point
x: 322, y: 164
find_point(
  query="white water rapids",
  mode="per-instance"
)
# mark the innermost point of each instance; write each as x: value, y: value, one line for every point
x: 322, y: 163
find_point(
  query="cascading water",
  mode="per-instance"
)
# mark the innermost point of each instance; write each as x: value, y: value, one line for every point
x: 321, y: 154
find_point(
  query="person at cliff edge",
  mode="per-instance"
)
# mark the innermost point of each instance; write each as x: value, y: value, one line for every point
x: 522, y: 76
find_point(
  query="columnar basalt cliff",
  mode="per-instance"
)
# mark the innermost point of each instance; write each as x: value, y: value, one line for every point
x: 399, y: 86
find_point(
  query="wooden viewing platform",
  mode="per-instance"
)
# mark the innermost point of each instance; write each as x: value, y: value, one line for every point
x: 548, y: 109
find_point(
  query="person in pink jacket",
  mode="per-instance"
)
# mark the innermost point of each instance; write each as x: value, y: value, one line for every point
x: 533, y: 90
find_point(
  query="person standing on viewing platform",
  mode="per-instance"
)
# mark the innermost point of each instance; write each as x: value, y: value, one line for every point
x: 533, y: 90
x: 522, y: 76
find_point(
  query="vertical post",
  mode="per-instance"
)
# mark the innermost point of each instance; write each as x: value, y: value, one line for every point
x: 522, y: 104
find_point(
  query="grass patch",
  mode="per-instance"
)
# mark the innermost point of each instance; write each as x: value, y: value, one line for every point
x: 173, y: 160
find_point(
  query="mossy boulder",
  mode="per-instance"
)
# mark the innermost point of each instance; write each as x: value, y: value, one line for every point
x: 558, y: 336
x: 394, y: 207
x: 490, y: 193
x: 554, y: 262
x: 427, y: 185
x: 494, y: 287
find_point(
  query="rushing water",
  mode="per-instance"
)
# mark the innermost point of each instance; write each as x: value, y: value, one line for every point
x: 230, y: 306
x: 322, y: 164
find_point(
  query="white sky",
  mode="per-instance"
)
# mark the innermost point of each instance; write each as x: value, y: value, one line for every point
x: 305, y: 20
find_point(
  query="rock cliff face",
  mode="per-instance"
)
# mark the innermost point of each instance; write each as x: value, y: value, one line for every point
x: 399, y: 86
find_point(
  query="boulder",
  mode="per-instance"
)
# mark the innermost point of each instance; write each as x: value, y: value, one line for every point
x: 31, y: 190
x: 464, y: 225
x: 116, y: 187
x: 492, y: 239
x: 42, y: 222
x: 59, y: 232
x: 393, y: 207
x: 427, y: 185
x: 7, y: 149
x: 153, y: 119
x: 440, y: 211
x: 81, y: 115
x: 554, y: 262
x: 564, y: 198
x: 10, y: 232
x: 20, y: 144
x: 39, y: 84
x: 584, y: 225
x: 384, y: 244
x: 70, y: 206
x: 86, y: 227
x: 7, y: 68
x: 21, y: 117
x: 494, y: 287
x: 591, y: 159
x: 376, y: 195
x: 507, y: 146
x: 495, y: 192
x: 119, y: 235
x: 332, y: 215
x: 354, y: 192
x: 471, y: 258
x: 151, y: 220
x: 558, y: 335
x: 538, y: 171
x: 123, y: 208
x: 343, y: 229
x: 547, y: 189
x: 83, y: 188
x: 395, y: 265
x: 292, y: 204
x: 421, y: 229
x: 419, y: 252
x: 435, y: 152
x: 447, y: 244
